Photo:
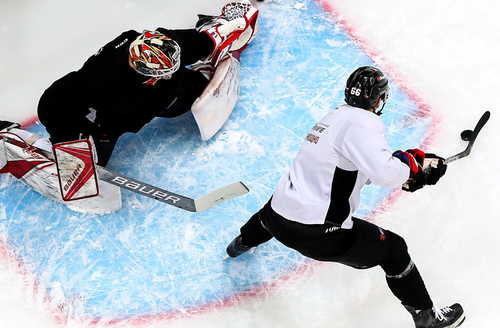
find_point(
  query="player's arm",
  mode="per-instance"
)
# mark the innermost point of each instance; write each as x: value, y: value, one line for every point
x: 425, y: 169
x: 194, y: 45
x: 368, y: 150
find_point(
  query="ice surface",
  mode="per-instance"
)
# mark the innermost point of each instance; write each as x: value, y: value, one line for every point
x: 149, y: 258
x: 111, y: 265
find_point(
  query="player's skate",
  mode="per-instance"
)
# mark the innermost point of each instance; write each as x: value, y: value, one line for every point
x: 236, y: 248
x: 447, y: 317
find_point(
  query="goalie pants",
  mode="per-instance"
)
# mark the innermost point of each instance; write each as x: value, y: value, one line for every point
x: 364, y: 246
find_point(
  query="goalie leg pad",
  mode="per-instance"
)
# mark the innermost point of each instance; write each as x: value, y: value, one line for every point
x: 4, y: 168
x: 212, y: 109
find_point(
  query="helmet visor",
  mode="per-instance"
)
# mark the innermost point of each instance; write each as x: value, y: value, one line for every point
x: 155, y: 55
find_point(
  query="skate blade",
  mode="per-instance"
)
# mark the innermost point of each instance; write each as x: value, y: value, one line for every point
x: 461, y: 320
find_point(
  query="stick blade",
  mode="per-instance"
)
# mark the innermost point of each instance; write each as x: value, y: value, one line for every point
x: 220, y: 195
x: 482, y: 121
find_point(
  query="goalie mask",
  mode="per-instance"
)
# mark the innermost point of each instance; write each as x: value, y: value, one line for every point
x: 155, y: 55
x: 365, y: 87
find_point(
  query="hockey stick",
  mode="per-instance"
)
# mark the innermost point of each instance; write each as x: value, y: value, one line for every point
x: 469, y: 136
x: 189, y: 204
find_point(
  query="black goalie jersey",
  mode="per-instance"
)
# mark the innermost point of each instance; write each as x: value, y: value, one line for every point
x: 107, y: 94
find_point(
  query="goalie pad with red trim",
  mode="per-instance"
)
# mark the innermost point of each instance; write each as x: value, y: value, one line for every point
x: 37, y: 169
x: 4, y: 168
x: 212, y: 109
x: 232, y: 31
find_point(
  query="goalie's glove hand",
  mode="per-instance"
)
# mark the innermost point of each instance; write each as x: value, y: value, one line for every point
x: 434, y: 168
x: 233, y: 30
x: 414, y: 158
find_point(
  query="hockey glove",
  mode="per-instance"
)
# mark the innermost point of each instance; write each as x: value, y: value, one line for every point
x: 233, y: 30
x: 434, y: 168
x: 418, y: 155
x: 414, y: 158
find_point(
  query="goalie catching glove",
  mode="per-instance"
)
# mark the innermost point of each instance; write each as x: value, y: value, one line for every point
x: 233, y: 30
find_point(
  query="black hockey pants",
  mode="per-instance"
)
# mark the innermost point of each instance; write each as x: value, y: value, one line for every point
x: 364, y: 246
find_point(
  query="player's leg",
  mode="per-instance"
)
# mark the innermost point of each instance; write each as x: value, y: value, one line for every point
x: 406, y: 283
x: 252, y: 234
x: 316, y: 241
x: 370, y: 246
x: 403, y: 277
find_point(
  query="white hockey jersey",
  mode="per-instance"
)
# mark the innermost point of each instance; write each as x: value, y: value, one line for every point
x: 344, y: 150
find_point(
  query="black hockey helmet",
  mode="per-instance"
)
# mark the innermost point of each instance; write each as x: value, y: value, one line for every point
x: 365, y: 87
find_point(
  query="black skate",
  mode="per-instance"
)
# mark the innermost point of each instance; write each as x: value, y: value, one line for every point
x: 6, y: 125
x: 448, y: 317
x: 236, y: 248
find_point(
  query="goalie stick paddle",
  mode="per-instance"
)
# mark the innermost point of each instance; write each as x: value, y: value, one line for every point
x: 471, y: 138
x: 189, y: 204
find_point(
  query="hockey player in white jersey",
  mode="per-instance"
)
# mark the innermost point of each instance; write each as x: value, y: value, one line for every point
x: 313, y: 205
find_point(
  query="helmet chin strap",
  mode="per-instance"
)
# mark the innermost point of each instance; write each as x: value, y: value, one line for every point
x: 378, y: 113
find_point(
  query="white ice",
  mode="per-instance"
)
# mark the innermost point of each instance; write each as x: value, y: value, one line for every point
x: 445, y: 51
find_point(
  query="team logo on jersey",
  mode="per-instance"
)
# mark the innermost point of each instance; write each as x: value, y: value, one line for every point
x: 332, y: 229
x: 312, y: 138
x: 320, y: 127
x: 121, y: 43
x: 382, y: 234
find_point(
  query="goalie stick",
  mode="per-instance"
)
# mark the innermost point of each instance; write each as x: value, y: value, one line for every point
x: 189, y: 204
x: 469, y: 136
x: 199, y: 204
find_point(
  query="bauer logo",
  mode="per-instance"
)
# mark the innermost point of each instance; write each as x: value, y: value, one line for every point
x: 73, y: 177
x: 145, y: 189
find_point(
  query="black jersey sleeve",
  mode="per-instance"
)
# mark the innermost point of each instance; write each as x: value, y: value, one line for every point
x: 111, y: 57
x: 194, y: 45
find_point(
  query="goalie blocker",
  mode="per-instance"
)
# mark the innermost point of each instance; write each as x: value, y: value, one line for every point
x: 76, y: 170
x: 29, y: 158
